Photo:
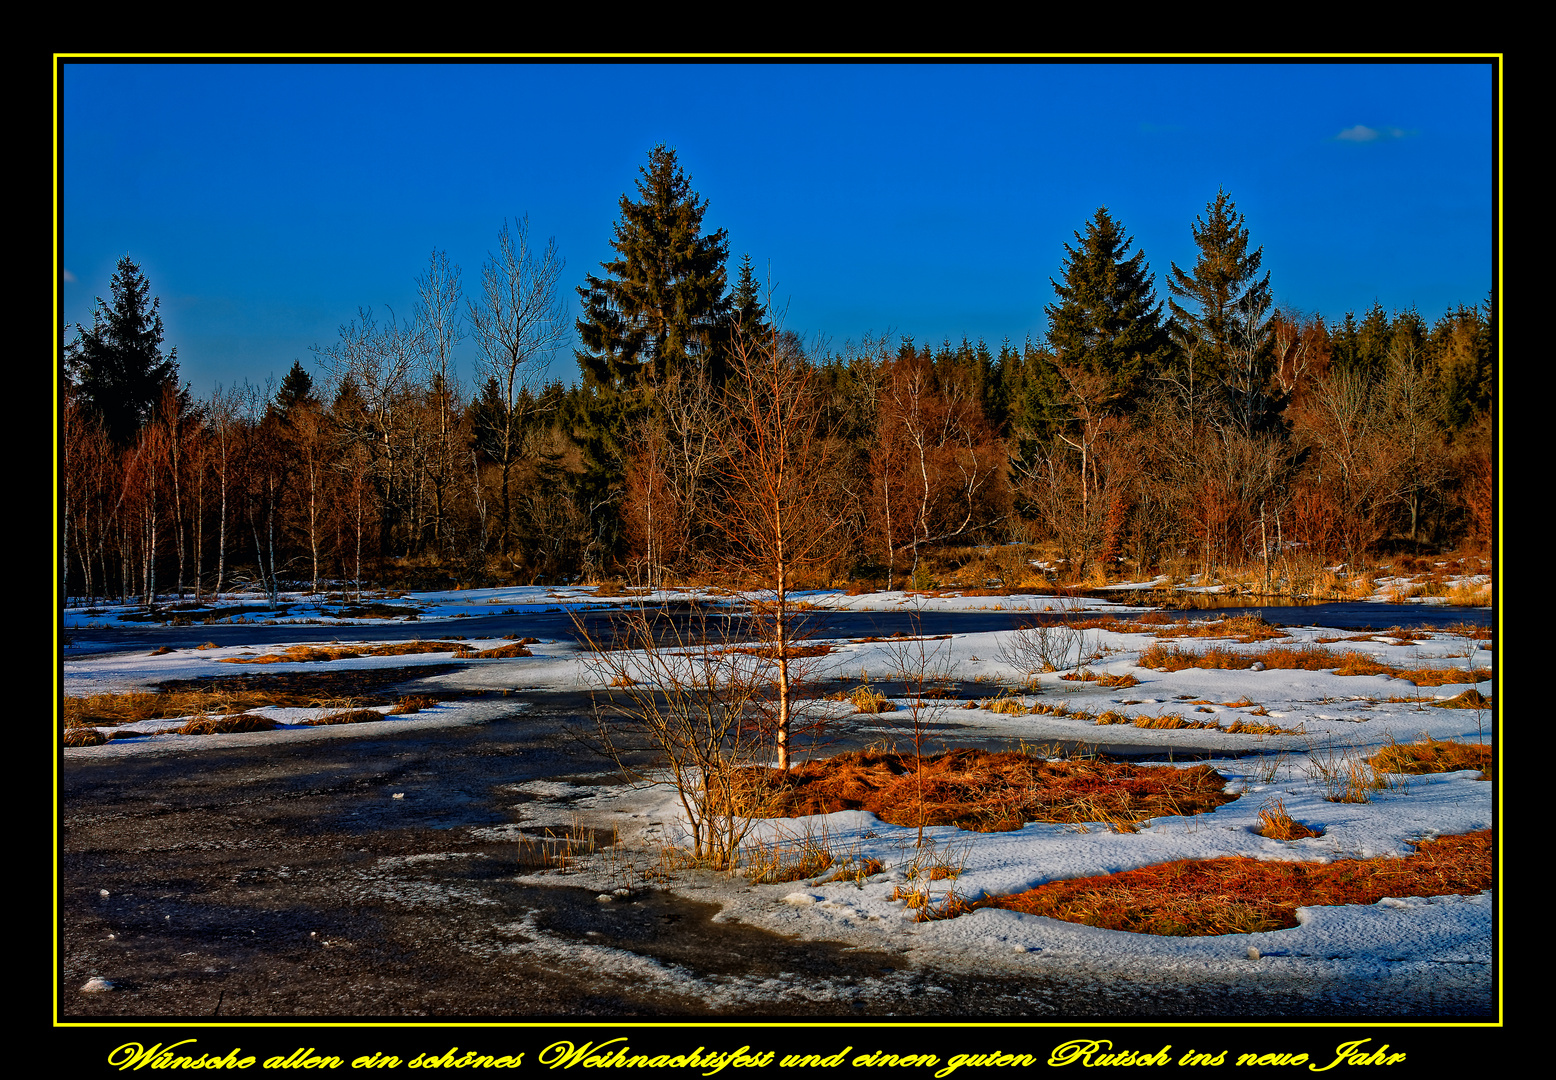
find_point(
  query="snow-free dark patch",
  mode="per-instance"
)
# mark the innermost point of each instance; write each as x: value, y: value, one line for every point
x: 366, y: 686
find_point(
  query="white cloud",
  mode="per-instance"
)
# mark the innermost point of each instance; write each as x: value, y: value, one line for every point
x: 1361, y: 133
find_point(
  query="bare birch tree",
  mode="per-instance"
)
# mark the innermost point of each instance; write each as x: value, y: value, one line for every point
x: 518, y: 322
x: 781, y: 513
x: 438, y: 316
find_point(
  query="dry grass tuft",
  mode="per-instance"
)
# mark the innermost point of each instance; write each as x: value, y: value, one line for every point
x: 1242, y: 726
x: 1199, y: 897
x: 1470, y: 594
x: 1011, y: 706
x: 1441, y: 676
x: 84, y: 736
x: 346, y: 716
x: 1277, y: 824
x: 866, y: 700
x: 1101, y: 678
x: 501, y: 652
x: 797, y: 859
x: 412, y: 703
x: 1245, y: 629
x: 1435, y: 756
x: 1470, y: 699
x: 226, y: 725
x: 1346, y: 776
x: 1177, y: 721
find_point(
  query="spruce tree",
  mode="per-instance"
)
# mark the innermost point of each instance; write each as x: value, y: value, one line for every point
x: 1228, y: 296
x: 749, y: 315
x: 1107, y: 321
x: 117, y: 366
x: 662, y: 302
x: 295, y: 390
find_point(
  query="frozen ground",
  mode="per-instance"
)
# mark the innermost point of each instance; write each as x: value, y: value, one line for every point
x: 1439, y: 949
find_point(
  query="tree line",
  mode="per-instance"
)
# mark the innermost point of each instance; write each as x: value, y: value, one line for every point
x: 1215, y: 429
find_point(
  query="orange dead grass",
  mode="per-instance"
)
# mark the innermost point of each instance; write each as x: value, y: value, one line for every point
x: 867, y: 700
x: 990, y: 792
x: 347, y: 716
x: 413, y: 703
x: 225, y: 725
x: 501, y: 652
x: 84, y: 736
x: 1241, y: 725
x: 1470, y: 699
x: 770, y: 652
x: 307, y: 654
x: 1277, y: 824
x: 1122, y: 682
x: 1198, y: 897
x: 1435, y: 756
x: 1306, y: 658
x: 1245, y: 629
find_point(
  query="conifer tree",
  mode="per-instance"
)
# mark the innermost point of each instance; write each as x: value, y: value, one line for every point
x: 1107, y: 322
x: 1229, y: 325
x: 117, y: 367
x: 749, y: 313
x: 296, y: 390
x: 662, y: 302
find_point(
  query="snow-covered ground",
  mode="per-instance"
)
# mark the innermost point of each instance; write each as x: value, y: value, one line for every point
x: 1325, y: 718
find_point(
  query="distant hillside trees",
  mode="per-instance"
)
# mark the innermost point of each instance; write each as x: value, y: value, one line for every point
x: 1232, y: 433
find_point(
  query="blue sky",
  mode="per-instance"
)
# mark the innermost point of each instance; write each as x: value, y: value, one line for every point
x: 267, y: 202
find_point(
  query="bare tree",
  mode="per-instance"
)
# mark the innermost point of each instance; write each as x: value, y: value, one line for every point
x: 677, y: 708
x: 673, y: 451
x: 224, y: 425
x: 1407, y: 409
x: 376, y: 362
x: 438, y: 316
x: 518, y: 322
x: 311, y: 453
x: 170, y: 414
x: 1358, y: 457
x: 923, y: 668
x: 781, y: 512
